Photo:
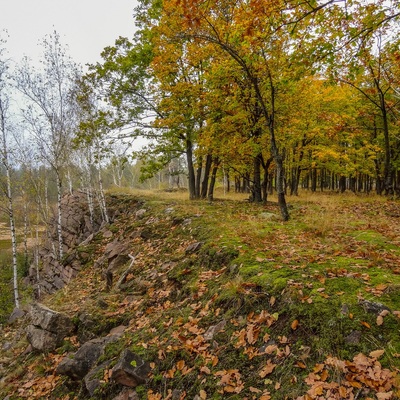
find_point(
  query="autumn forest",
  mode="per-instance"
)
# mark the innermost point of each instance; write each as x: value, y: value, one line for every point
x: 269, y: 99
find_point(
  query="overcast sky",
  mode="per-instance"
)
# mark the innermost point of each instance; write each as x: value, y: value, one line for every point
x: 86, y: 26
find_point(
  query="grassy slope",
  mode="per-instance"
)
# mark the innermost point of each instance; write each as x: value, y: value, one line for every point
x: 290, y: 294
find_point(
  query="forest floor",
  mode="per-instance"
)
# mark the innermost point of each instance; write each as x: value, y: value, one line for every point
x: 260, y: 309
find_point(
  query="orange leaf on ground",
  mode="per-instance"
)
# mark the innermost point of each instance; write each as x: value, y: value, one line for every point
x: 267, y: 369
x: 376, y: 353
x: 366, y: 324
x: 295, y: 324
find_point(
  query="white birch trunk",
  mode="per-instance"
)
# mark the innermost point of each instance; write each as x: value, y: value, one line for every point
x: 59, y: 218
x: 13, y: 237
x: 103, y: 205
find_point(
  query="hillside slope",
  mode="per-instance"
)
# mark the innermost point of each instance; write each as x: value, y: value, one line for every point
x: 225, y: 301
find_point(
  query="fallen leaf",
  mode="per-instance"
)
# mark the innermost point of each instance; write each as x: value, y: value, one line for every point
x: 203, y: 395
x: 384, y: 396
x: 180, y: 364
x: 366, y: 324
x: 206, y: 370
x: 267, y: 369
x: 379, y: 320
x: 376, y: 353
x: 300, y: 364
x: 272, y: 301
x: 295, y: 324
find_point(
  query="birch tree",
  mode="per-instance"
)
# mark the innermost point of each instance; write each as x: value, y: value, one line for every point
x: 5, y: 129
x: 50, y: 111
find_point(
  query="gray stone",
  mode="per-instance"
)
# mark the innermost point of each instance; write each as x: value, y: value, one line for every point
x: 353, y: 338
x: 130, y: 370
x: 140, y: 213
x: 213, y: 330
x: 15, y: 315
x: 41, y: 339
x: 50, y: 320
x: 194, y: 247
x: 92, y: 381
x: 127, y: 394
x: 77, y: 365
x: 374, y: 308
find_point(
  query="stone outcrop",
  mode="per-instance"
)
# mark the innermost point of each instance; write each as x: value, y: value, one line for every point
x: 48, y: 328
x: 78, y: 229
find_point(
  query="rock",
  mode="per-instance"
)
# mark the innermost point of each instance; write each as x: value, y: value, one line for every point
x: 213, y: 330
x: 194, y: 247
x: 353, y: 338
x: 118, y: 331
x: 130, y: 370
x: 7, y: 346
x: 176, y: 394
x: 77, y: 365
x: 16, y: 314
x: 107, y: 234
x: 50, y: 320
x: 116, y: 248
x: 344, y: 309
x: 127, y: 394
x: 41, y: 339
x: 140, y: 213
x: 87, y: 240
x: 374, y: 308
x: 92, y: 380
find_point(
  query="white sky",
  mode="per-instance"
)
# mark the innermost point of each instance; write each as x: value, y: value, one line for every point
x: 86, y: 26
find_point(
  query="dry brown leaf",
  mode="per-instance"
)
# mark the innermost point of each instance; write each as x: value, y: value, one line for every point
x: 376, y: 353
x: 300, y: 364
x: 205, y: 370
x: 384, y: 313
x: 384, y: 396
x: 295, y: 324
x: 272, y: 301
x: 267, y: 369
x: 254, y: 390
x: 180, y: 364
x: 379, y: 320
x: 203, y: 394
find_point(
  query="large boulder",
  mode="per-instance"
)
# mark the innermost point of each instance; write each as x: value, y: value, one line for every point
x: 48, y: 328
x: 130, y: 370
x: 78, y: 365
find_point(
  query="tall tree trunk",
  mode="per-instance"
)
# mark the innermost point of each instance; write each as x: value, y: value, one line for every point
x: 13, y: 239
x: 213, y: 179
x: 257, y: 195
x: 388, y: 170
x: 59, y: 217
x: 191, y: 175
x: 207, y: 170
x: 199, y: 172
x: 102, y: 197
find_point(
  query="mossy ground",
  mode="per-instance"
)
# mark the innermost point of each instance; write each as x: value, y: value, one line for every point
x: 295, y: 288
